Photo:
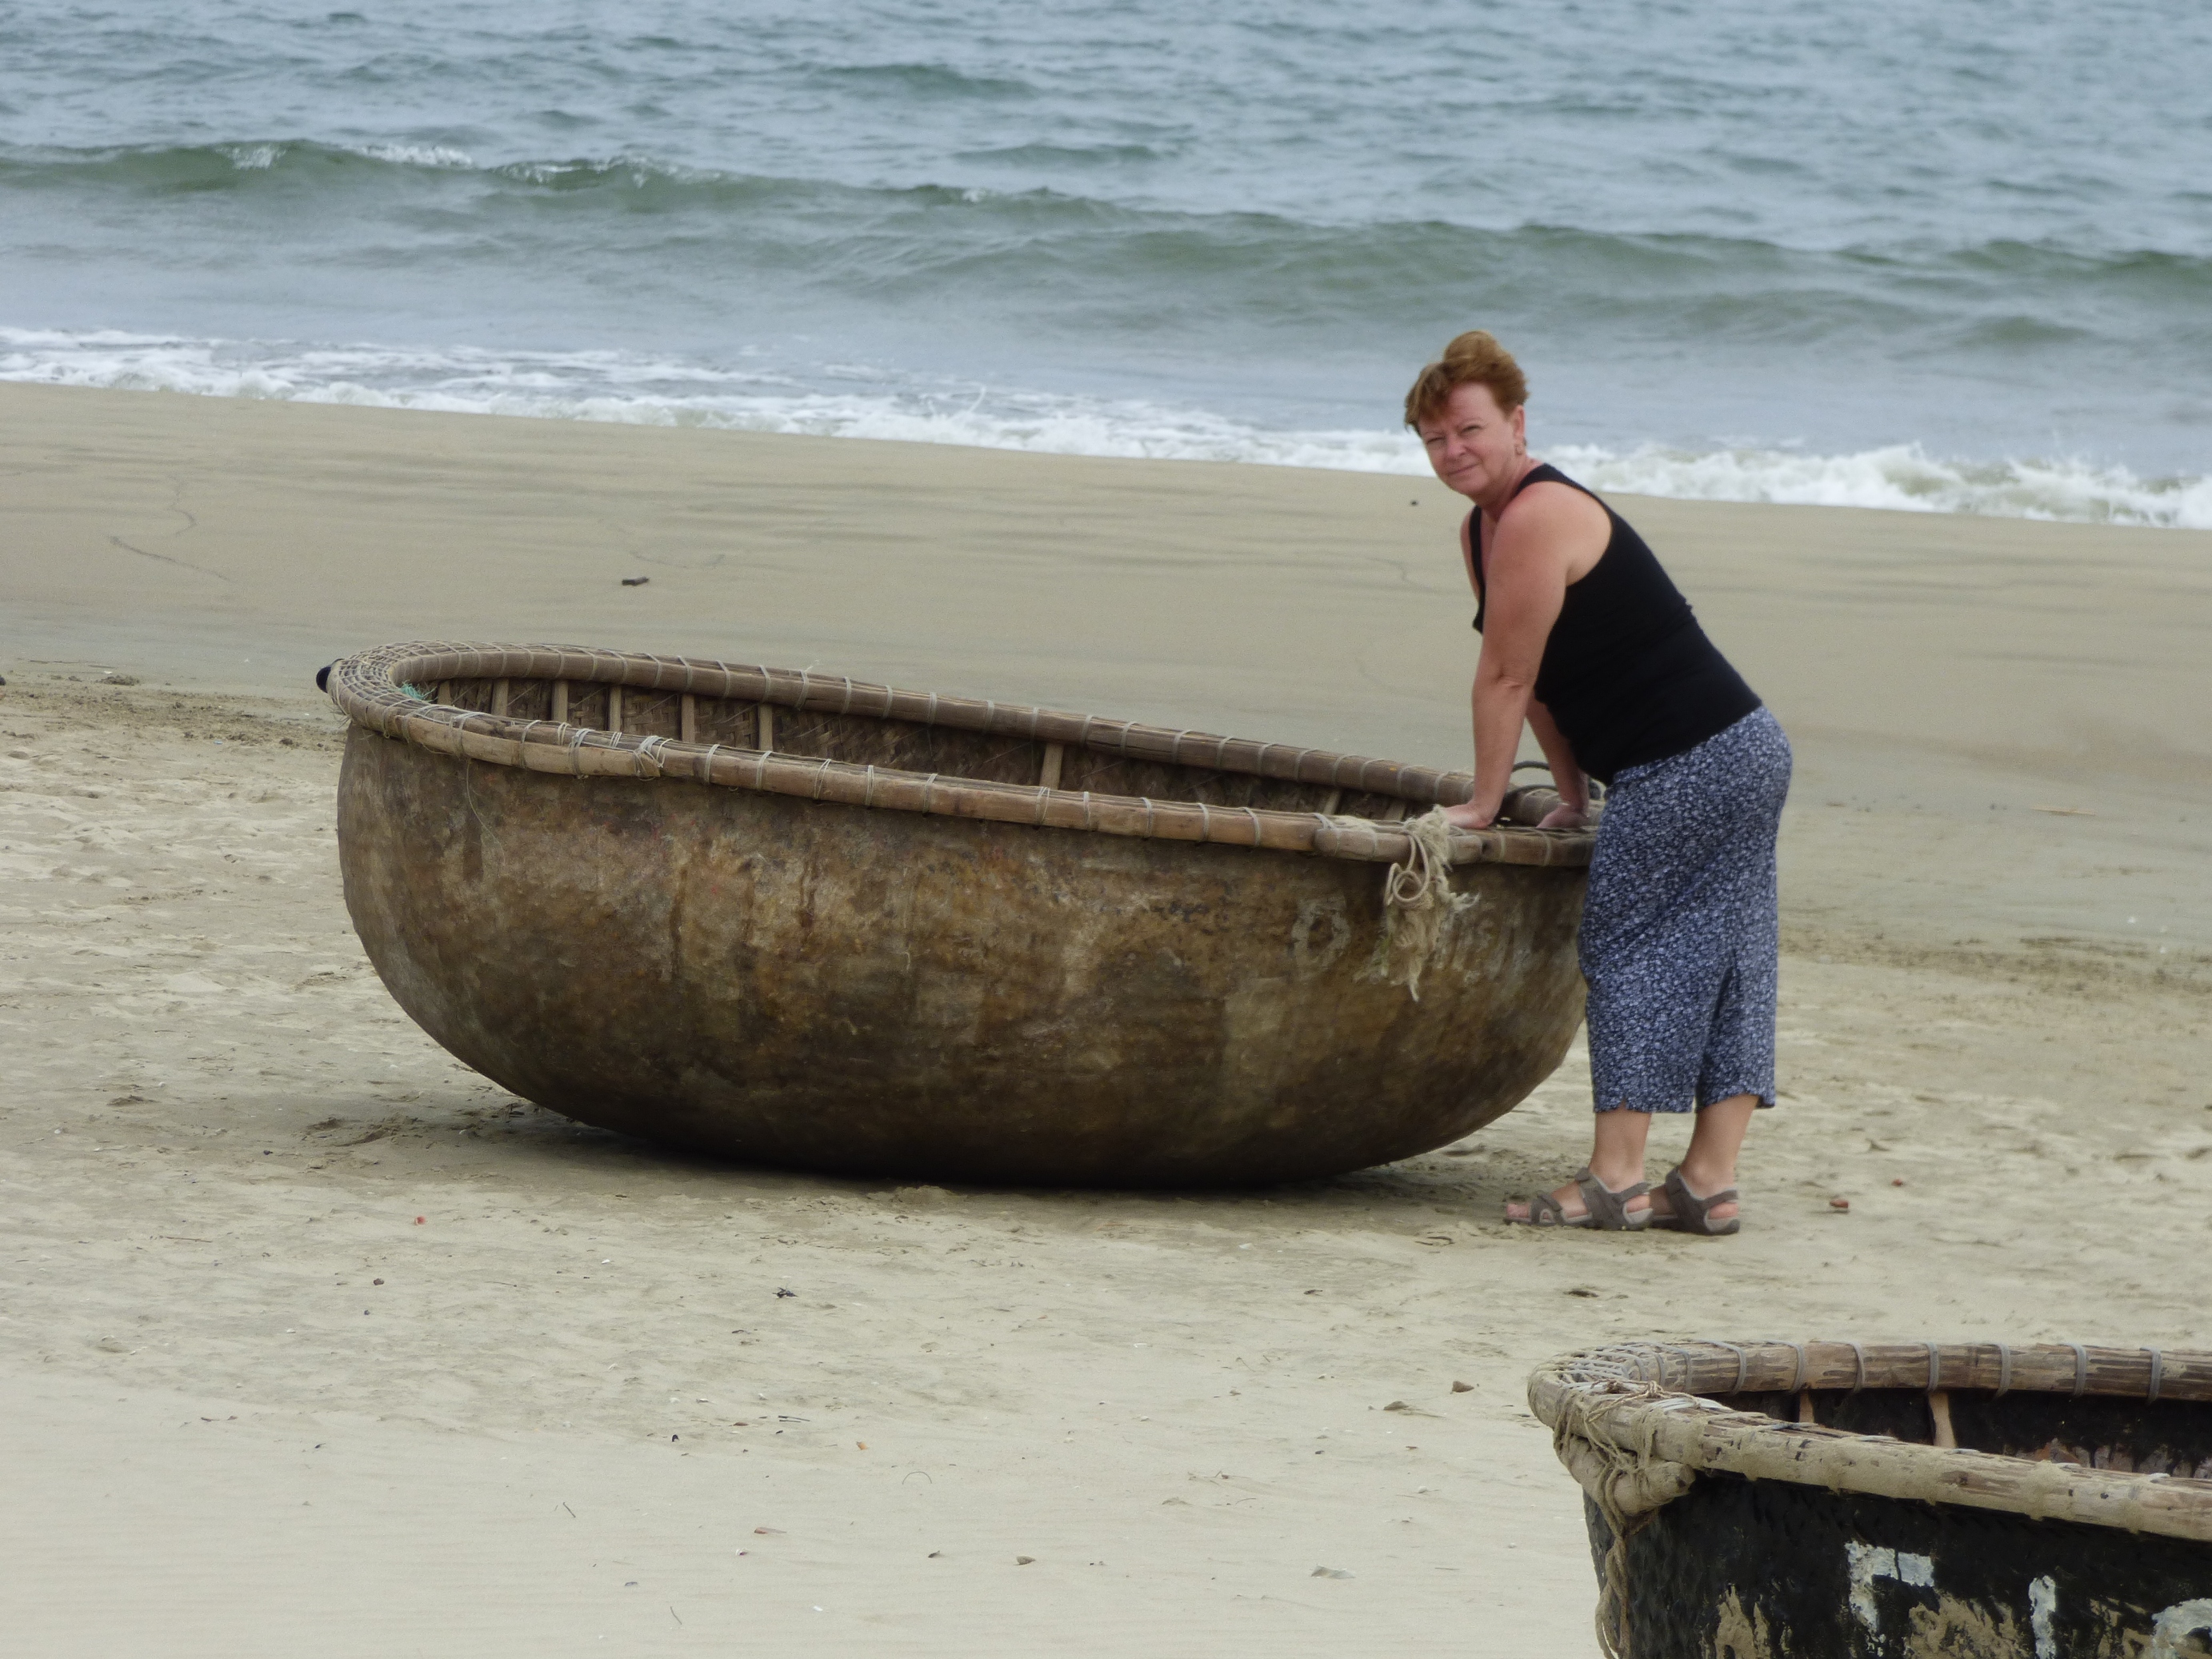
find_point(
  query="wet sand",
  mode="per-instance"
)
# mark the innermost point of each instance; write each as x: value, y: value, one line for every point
x: 576, y: 1396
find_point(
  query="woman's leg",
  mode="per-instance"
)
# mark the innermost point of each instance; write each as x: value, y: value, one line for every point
x: 1636, y: 1065
x: 1642, y: 1031
x: 1709, y: 1166
x: 1683, y: 881
x: 1616, y: 1158
x: 1736, y: 1076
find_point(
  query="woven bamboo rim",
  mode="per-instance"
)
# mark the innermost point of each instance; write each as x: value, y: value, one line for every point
x: 370, y: 689
x: 1631, y: 1423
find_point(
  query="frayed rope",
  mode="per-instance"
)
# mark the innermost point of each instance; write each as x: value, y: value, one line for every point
x: 1417, y: 901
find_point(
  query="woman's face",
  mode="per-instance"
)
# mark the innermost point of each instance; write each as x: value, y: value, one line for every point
x: 1475, y: 448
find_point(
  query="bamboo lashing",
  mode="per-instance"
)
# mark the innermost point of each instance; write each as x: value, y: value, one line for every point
x: 367, y: 688
x: 1646, y: 1402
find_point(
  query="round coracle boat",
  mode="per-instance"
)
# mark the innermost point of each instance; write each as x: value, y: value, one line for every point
x: 1814, y: 1500
x: 794, y: 919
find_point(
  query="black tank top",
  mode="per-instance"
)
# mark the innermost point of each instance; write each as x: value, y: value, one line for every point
x: 1628, y: 675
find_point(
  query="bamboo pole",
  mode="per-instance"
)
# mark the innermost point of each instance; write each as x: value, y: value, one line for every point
x: 2065, y: 1368
x: 602, y: 754
x: 367, y: 688
x: 849, y: 696
x: 1645, y: 1401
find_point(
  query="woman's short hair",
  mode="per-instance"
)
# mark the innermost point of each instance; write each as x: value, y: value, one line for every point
x: 1474, y: 358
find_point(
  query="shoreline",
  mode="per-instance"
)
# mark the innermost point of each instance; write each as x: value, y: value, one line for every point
x: 1902, y: 474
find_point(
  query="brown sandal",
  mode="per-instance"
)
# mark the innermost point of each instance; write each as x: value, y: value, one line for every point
x: 1688, y: 1214
x: 1603, y: 1208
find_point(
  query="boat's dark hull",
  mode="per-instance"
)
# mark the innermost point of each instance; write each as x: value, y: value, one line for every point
x: 1738, y: 1568
x: 1849, y: 1500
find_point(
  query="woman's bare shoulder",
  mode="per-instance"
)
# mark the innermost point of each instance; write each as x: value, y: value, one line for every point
x: 1551, y: 501
x: 1549, y: 511
x: 1556, y: 525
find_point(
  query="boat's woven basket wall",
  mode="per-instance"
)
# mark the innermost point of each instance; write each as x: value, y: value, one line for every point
x: 1846, y: 1500
x: 810, y: 952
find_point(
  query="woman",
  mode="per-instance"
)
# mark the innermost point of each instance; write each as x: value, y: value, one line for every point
x: 1585, y: 639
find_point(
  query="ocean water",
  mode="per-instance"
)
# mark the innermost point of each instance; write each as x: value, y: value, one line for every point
x: 1957, y: 259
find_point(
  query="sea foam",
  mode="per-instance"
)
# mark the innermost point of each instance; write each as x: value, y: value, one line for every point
x: 858, y: 402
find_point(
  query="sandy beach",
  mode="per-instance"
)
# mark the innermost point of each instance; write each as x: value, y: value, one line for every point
x: 310, y: 1339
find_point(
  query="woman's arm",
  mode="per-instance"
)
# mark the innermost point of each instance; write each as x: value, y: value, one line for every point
x: 1567, y: 776
x: 1540, y: 538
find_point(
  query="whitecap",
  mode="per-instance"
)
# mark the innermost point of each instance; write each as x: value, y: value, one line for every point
x: 443, y: 156
x: 251, y: 158
x: 1901, y: 477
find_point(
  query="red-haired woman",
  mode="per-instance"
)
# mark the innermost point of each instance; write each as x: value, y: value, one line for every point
x: 1586, y: 639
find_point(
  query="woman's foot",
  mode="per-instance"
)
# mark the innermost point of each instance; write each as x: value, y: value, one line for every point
x: 1680, y: 1205
x: 1586, y: 1202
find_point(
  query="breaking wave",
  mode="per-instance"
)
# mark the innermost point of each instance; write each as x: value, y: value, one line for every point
x: 847, y: 401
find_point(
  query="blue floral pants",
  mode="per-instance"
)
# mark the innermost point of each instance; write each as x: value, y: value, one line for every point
x: 1681, y: 930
